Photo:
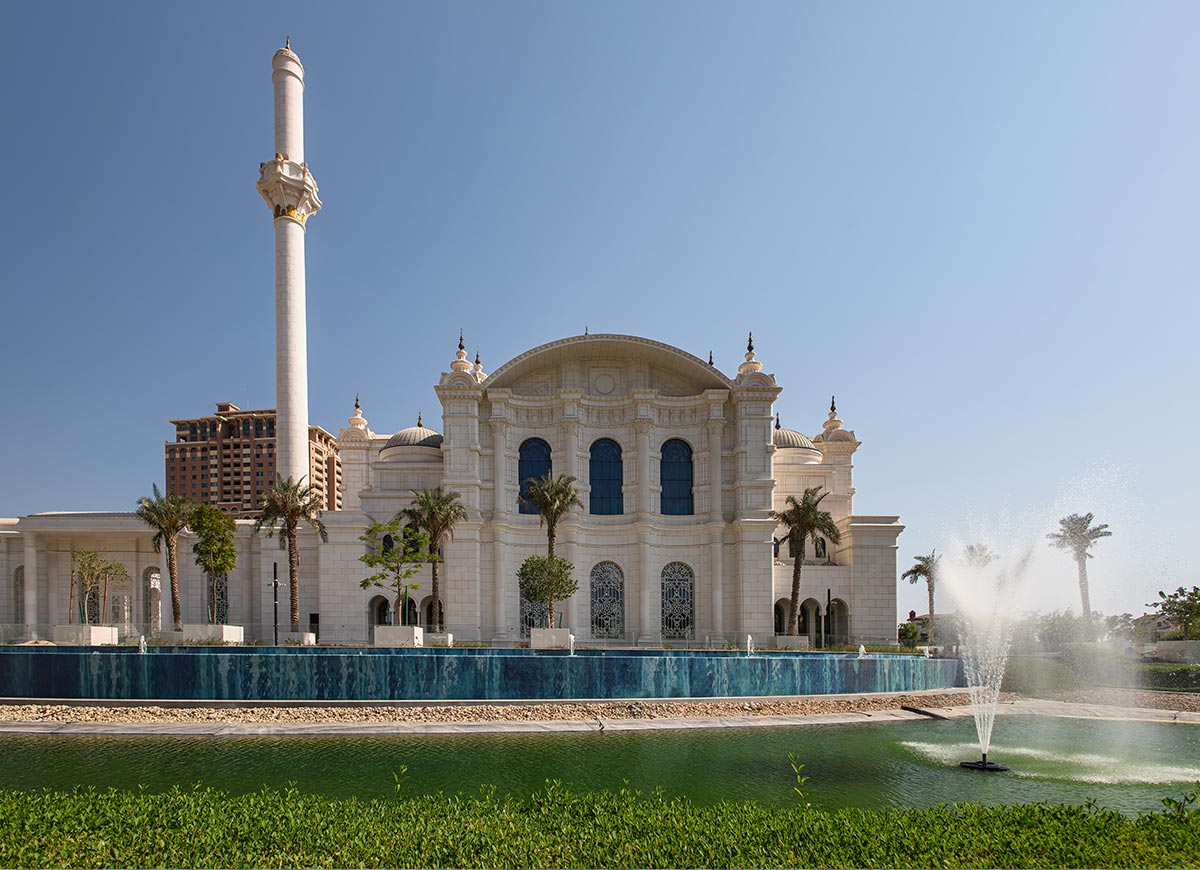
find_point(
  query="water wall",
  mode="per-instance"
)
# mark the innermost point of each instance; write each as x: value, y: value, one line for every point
x: 316, y: 674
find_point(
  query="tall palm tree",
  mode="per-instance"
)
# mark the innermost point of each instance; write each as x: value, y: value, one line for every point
x: 926, y: 568
x: 1077, y: 534
x: 168, y: 515
x: 288, y: 503
x: 979, y: 555
x: 436, y: 513
x: 804, y: 520
x: 552, y: 497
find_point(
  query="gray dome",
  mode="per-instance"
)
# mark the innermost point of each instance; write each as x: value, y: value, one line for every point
x: 784, y: 438
x: 414, y: 436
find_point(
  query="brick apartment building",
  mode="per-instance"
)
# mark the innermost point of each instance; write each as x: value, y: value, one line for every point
x: 228, y: 460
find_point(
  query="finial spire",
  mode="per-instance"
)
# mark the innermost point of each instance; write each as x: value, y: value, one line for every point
x: 833, y: 404
x: 461, y: 346
x: 419, y: 423
x: 750, y: 344
x: 710, y: 362
x: 287, y: 43
x: 585, y: 329
x: 357, y: 407
x: 477, y: 358
x: 777, y: 424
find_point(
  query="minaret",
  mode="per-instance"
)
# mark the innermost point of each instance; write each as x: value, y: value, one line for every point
x: 290, y: 191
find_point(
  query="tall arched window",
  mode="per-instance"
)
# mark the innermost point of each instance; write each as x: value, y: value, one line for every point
x: 608, y: 601
x: 676, y: 478
x: 678, y: 602
x: 19, y: 595
x: 533, y: 462
x: 605, y: 475
x: 152, y: 600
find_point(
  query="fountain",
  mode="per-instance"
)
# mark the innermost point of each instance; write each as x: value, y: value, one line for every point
x: 749, y: 647
x: 862, y: 651
x: 571, y: 644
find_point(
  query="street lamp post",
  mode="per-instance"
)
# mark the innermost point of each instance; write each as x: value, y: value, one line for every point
x: 275, y: 595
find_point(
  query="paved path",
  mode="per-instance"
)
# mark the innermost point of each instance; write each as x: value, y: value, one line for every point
x: 1029, y: 707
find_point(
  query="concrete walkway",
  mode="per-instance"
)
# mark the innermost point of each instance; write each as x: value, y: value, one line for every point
x: 1029, y: 707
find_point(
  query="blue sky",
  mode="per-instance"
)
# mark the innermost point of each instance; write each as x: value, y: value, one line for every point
x: 975, y: 224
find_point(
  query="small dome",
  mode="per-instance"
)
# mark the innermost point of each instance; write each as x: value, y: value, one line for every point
x: 791, y: 438
x: 414, y: 436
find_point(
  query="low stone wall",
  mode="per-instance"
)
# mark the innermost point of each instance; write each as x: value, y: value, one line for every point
x: 451, y: 674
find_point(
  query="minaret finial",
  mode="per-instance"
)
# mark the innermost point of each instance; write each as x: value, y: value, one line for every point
x: 833, y: 404
x: 585, y: 329
x: 777, y: 424
x: 461, y: 346
x: 710, y: 362
x: 750, y: 344
x: 477, y: 358
x: 287, y: 43
x: 419, y: 423
x: 356, y: 405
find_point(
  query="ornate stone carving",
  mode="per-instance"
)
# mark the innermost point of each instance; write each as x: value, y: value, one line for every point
x: 289, y: 189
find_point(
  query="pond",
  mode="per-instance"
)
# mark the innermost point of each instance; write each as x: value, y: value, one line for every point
x: 1125, y: 766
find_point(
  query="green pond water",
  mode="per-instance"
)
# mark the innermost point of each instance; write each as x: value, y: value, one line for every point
x: 1126, y: 766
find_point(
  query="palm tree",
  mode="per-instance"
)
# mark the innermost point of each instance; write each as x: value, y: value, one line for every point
x: 926, y: 568
x: 287, y: 503
x: 804, y: 520
x: 168, y: 515
x: 553, y: 497
x: 436, y: 513
x: 979, y: 555
x: 1077, y: 534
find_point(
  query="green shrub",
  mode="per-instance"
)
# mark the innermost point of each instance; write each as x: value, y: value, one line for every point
x: 1172, y: 677
x: 1039, y: 677
x: 555, y: 828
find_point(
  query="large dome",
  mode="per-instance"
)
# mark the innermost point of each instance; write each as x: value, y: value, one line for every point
x: 414, y: 436
x: 785, y: 438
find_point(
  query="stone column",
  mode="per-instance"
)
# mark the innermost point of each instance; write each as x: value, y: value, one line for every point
x: 291, y: 192
x: 717, y: 519
x: 643, y: 427
x: 31, y: 587
x: 500, y: 519
x: 570, y: 432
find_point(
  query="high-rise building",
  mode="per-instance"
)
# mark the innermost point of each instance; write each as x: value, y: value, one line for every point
x: 228, y: 460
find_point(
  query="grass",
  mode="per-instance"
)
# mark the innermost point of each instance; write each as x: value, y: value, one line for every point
x: 555, y: 828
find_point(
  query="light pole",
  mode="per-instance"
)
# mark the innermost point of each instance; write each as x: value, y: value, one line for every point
x: 275, y: 595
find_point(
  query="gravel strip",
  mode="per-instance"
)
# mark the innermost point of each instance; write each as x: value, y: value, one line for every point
x: 61, y: 713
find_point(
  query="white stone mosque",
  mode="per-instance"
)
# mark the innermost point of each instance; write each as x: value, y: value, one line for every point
x: 678, y: 465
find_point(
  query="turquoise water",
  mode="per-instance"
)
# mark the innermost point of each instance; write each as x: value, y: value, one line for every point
x: 1126, y: 766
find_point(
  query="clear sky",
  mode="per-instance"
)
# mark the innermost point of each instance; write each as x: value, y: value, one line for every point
x: 976, y: 224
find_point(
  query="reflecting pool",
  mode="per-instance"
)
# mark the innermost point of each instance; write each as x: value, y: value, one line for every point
x: 1126, y: 766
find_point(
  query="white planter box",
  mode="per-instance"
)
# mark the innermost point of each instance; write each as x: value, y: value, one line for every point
x: 399, y: 635
x: 787, y: 641
x: 299, y: 638
x: 549, y: 638
x: 205, y: 632
x: 1174, y: 650
x: 440, y: 639
x: 85, y: 635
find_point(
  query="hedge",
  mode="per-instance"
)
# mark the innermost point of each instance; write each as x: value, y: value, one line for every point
x: 554, y: 828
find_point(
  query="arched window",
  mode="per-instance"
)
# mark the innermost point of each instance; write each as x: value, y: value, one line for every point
x: 388, y: 543
x: 608, y: 601
x: 152, y: 600
x: 533, y: 462
x: 19, y: 595
x: 605, y: 475
x: 678, y: 602
x: 676, y: 478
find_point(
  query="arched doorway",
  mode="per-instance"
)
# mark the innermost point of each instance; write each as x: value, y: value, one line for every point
x: 427, y: 613
x: 378, y: 613
x: 781, y: 615
x: 839, y: 622
x: 810, y: 621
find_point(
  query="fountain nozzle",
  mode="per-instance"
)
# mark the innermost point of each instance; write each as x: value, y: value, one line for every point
x: 984, y: 764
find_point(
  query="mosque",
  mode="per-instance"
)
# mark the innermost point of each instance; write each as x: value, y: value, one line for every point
x: 678, y: 466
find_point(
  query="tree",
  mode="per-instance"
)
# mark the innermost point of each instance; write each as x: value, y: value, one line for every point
x: 396, y: 560
x: 287, y: 504
x: 925, y: 568
x: 548, y: 579
x: 552, y: 497
x: 214, y: 549
x: 1077, y: 534
x: 436, y: 513
x: 168, y: 515
x: 979, y: 555
x: 92, y: 570
x: 908, y: 633
x: 804, y: 520
x: 1181, y: 607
